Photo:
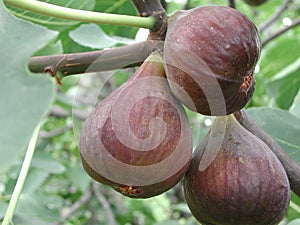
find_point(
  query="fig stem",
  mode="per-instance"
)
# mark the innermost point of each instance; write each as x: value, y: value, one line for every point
x: 81, y: 15
x: 153, y: 8
x: 21, y: 179
x: 291, y: 167
x: 101, y: 60
x: 275, y: 16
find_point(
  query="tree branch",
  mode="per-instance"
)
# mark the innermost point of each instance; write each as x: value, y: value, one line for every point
x: 292, y: 168
x: 66, y: 213
x: 231, y: 3
x: 57, y: 111
x: 281, y: 31
x: 53, y: 133
x: 105, y: 204
x: 275, y: 17
x: 95, y: 61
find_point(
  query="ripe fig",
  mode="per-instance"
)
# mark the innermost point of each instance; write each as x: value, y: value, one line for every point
x: 235, y: 179
x: 138, y: 139
x: 254, y: 2
x: 210, y: 54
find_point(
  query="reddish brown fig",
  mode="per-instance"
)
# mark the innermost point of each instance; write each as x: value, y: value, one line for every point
x: 138, y: 140
x: 235, y: 179
x: 210, y: 54
x: 254, y: 2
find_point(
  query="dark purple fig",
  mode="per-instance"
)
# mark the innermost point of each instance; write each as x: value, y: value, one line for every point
x: 210, y: 54
x: 138, y: 140
x: 235, y: 179
x: 254, y: 2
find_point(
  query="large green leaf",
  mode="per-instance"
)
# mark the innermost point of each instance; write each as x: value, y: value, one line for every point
x: 295, y: 222
x: 124, y: 7
x: 37, y: 208
x: 51, y: 22
x: 24, y: 98
x: 92, y: 36
x: 47, y: 163
x: 279, y: 54
x: 282, y: 126
x: 285, y: 85
x: 295, y: 108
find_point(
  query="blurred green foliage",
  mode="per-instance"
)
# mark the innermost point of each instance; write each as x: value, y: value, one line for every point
x: 57, y: 184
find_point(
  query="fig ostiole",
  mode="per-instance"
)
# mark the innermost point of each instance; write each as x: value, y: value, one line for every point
x: 244, y: 183
x: 138, y: 139
x: 210, y: 53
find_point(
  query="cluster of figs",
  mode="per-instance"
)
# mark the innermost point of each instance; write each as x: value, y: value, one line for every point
x: 138, y: 140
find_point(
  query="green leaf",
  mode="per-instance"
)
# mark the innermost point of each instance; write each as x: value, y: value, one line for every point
x: 35, y: 206
x: 55, y: 23
x: 92, y: 36
x: 294, y: 222
x: 3, y: 207
x: 282, y: 126
x: 79, y: 177
x: 285, y: 85
x: 34, y: 180
x: 294, y: 208
x: 47, y: 163
x: 295, y: 108
x: 122, y: 7
x: 53, y: 48
x: 278, y: 54
x: 24, y: 99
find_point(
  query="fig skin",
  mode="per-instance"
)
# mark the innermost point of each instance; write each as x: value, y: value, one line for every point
x: 255, y: 2
x: 138, y: 139
x: 210, y: 55
x: 243, y: 183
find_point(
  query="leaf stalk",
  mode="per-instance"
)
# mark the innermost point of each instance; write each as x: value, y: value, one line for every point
x: 21, y: 179
x: 47, y: 9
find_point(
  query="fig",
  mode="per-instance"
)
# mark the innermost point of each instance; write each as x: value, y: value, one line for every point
x: 254, y: 2
x: 235, y: 178
x: 138, y: 139
x: 210, y: 55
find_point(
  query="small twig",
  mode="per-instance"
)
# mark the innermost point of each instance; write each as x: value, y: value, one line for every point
x: 231, y: 3
x: 59, y: 112
x: 292, y: 168
x: 275, y: 17
x: 95, y: 61
x: 53, y: 133
x: 68, y: 212
x: 93, y: 219
x: 105, y: 204
x: 295, y: 23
